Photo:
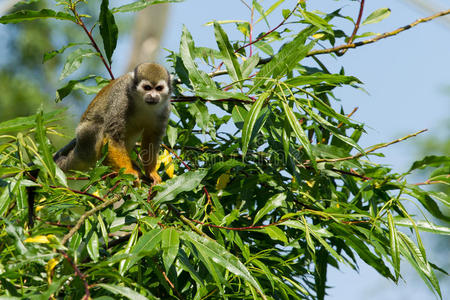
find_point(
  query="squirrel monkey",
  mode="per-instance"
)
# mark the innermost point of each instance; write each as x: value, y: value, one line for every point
x: 133, y: 105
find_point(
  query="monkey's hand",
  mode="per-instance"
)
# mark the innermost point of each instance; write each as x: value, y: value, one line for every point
x: 155, y: 177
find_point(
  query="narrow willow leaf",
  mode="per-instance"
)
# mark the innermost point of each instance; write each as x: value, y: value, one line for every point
x: 24, y: 123
x: 182, y: 183
x: 74, y: 61
x: 108, y: 29
x: 92, y: 247
x: 170, y: 243
x: 423, y: 226
x: 308, y: 238
x: 125, y: 264
x: 250, y: 120
x: 276, y: 233
x: 51, y: 54
x: 285, y: 60
x: 249, y: 65
x: 29, y: 15
x: 43, y: 144
x: 423, y: 268
x: 377, y: 16
x: 229, y: 58
x: 140, y: 5
x: 219, y: 255
x: 144, y: 245
x: 271, y: 204
x: 64, y: 91
x: 323, y: 122
x: 196, y: 76
x: 395, y: 252
x: 200, y: 113
x: 430, y: 161
x: 213, y: 93
x: 317, y: 21
x: 317, y: 78
x: 172, y: 135
x: 299, y: 132
x: 124, y: 291
x: 269, y: 11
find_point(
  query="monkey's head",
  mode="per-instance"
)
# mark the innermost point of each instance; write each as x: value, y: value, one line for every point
x: 152, y: 83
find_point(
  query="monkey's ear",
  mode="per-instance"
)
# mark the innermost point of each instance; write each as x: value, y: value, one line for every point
x: 131, y: 75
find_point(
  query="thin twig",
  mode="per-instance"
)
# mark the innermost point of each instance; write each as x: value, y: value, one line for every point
x: 87, y: 294
x: 91, y: 38
x: 379, y: 37
x: 374, y: 148
x: 195, y: 98
x: 89, y: 213
x: 350, y: 40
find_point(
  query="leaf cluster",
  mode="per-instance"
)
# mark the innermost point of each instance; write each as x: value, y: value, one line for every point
x: 270, y: 185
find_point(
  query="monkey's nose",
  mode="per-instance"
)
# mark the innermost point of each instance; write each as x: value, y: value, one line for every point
x: 151, y: 100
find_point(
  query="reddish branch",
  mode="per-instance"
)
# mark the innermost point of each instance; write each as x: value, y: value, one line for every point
x: 87, y: 294
x: 195, y: 98
x: 350, y: 40
x: 91, y: 38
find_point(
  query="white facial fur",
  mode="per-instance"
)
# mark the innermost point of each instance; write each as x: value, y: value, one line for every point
x: 153, y: 93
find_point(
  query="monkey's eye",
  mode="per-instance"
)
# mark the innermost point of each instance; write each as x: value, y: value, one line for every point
x: 159, y: 88
x: 147, y: 87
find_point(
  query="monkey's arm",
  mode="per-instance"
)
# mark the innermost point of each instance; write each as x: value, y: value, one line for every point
x: 150, y: 151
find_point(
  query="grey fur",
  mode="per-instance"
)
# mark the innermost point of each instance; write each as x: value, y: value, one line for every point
x: 120, y: 112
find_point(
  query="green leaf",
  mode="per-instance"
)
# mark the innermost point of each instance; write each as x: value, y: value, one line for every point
x: 430, y: 161
x: 24, y: 123
x: 229, y: 58
x: 250, y: 120
x: 422, y: 225
x: 212, y: 93
x: 299, y: 132
x: 377, y: 16
x: 172, y: 135
x: 196, y: 76
x: 141, y: 4
x: 29, y: 15
x: 92, y: 247
x: 276, y: 233
x: 285, y: 60
x: 64, y: 91
x: 43, y: 144
x: 126, y: 263
x: 170, y: 244
x: 219, y: 255
x: 74, y: 61
x: 393, y: 238
x: 182, y: 183
x: 317, y: 78
x: 145, y: 245
x: 123, y: 290
x: 269, y: 10
x: 200, y: 113
x: 419, y: 262
x: 108, y: 29
x: 317, y: 21
x: 274, y: 202
x: 51, y: 54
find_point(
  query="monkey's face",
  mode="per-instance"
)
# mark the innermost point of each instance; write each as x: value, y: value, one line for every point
x: 153, y: 92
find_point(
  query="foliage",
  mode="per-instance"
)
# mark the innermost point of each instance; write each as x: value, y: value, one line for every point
x: 265, y: 186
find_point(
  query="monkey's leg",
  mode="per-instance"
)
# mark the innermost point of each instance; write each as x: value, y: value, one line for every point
x: 118, y: 157
x: 149, y: 154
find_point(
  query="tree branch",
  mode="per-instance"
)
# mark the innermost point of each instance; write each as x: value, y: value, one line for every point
x: 379, y: 37
x: 89, y: 213
x: 374, y: 148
